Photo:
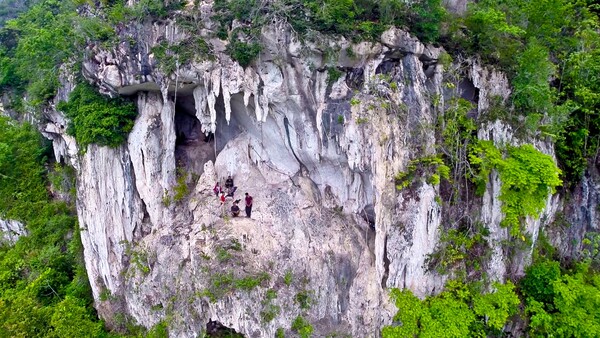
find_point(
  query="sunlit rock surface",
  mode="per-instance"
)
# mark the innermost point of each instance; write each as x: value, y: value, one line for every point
x: 329, y: 231
x: 10, y: 231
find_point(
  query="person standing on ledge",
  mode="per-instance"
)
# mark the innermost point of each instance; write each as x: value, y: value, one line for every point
x: 248, y: 205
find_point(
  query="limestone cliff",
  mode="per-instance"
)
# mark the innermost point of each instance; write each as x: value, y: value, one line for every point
x: 329, y: 231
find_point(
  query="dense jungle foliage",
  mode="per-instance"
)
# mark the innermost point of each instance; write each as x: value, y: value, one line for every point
x: 44, y: 290
x: 550, y: 50
x: 556, y: 303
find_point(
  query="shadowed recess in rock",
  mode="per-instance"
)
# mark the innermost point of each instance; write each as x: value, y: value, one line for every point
x: 469, y: 91
x: 242, y: 120
x: 192, y: 147
x: 216, y: 329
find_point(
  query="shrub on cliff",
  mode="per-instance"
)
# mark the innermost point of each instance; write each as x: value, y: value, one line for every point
x: 527, y: 176
x: 97, y: 119
x: 243, y: 53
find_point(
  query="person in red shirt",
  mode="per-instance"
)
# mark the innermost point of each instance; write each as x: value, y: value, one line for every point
x: 222, y: 200
x: 248, y: 205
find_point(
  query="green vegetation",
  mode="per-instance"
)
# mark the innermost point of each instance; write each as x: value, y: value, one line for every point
x: 460, y: 311
x: 223, y: 255
x: 223, y: 283
x: 172, y: 56
x: 591, y: 249
x: 269, y: 310
x: 432, y: 167
x: 361, y: 120
x: 527, y: 176
x: 33, y: 46
x: 368, y: 19
x: 181, y: 189
x: 62, y: 178
x: 242, y: 52
x: 551, y: 300
x: 549, y: 49
x: 288, y: 278
x: 561, y: 302
x: 10, y: 9
x: 154, y: 9
x: 249, y: 283
x: 531, y: 90
x: 97, y: 119
x: 43, y: 284
x: 139, y: 259
x: 304, y: 299
x: 36, y: 45
x: 463, y: 250
x: 243, y: 45
x: 160, y: 330
x: 457, y: 131
x: 302, y: 327
x: 333, y: 74
x: 360, y: 19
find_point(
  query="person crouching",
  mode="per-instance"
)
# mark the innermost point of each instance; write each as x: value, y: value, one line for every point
x: 235, y: 209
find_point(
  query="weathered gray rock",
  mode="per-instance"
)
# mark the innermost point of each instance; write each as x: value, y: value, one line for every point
x: 456, y: 6
x: 397, y: 38
x: 319, y: 159
x: 502, y: 266
x: 10, y: 231
x: 580, y: 215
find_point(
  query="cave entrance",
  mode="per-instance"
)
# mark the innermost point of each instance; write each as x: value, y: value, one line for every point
x: 192, y: 147
x: 215, y: 329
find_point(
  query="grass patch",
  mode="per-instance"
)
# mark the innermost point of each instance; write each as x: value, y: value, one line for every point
x: 223, y: 283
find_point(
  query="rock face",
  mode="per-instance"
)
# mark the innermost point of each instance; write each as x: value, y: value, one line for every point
x: 329, y: 232
x: 579, y: 216
x: 10, y: 231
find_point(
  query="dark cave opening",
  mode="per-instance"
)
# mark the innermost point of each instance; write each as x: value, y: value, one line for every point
x: 192, y: 147
x: 468, y: 91
x: 188, y: 128
x: 368, y: 214
x: 215, y: 329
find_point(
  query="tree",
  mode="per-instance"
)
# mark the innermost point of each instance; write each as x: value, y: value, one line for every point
x: 562, y: 305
